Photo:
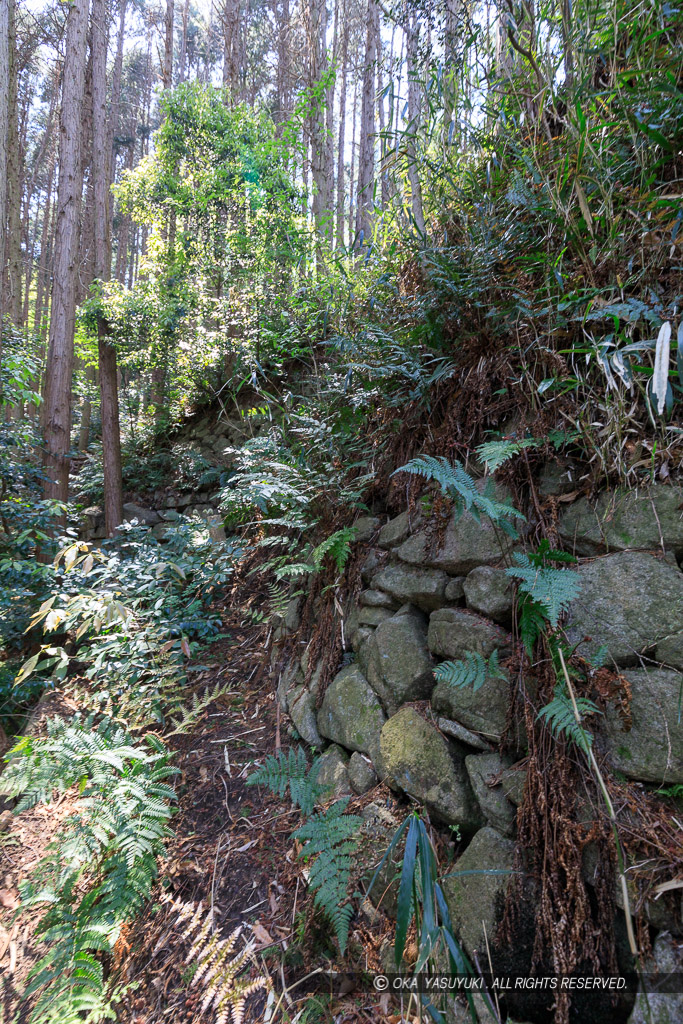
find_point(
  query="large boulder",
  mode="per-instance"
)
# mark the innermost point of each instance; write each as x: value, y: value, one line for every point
x: 661, y: 1007
x: 485, y: 772
x: 362, y: 775
x: 417, y: 759
x: 397, y: 661
x: 425, y: 588
x: 395, y: 531
x: 376, y: 599
x: 628, y: 602
x: 489, y: 591
x: 483, y: 711
x: 333, y: 774
x: 652, y: 750
x: 454, y: 631
x: 475, y: 891
x: 146, y: 516
x: 303, y: 714
x: 622, y: 519
x: 351, y: 714
x: 465, y: 545
x: 365, y: 526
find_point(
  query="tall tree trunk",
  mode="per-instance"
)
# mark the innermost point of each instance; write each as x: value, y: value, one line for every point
x: 366, y: 156
x: 231, y: 17
x: 59, y: 370
x: 167, y: 70
x: 414, y: 117
x: 14, y: 161
x: 109, y: 396
x: 182, y: 68
x: 341, y: 190
x: 351, y: 171
x: 5, y: 18
x: 43, y: 275
x: 315, y: 16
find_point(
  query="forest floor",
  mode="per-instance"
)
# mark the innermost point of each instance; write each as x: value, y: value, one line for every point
x: 232, y: 851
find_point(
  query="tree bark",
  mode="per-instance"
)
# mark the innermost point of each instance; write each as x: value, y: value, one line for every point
x: 366, y: 156
x: 109, y: 396
x: 5, y: 17
x: 14, y: 161
x: 167, y: 70
x: 342, y: 129
x: 59, y: 369
x: 412, y: 28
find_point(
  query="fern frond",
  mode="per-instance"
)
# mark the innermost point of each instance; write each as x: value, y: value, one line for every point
x: 338, y: 546
x: 494, y: 453
x: 290, y: 771
x: 561, y: 720
x: 329, y: 837
x: 472, y: 670
x: 224, y: 991
x: 457, y: 484
x: 553, y: 589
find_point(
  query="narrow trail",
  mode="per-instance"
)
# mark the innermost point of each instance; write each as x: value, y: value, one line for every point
x: 232, y: 852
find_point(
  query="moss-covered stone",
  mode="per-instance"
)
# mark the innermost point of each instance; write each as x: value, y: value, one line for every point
x: 417, y: 759
x: 351, y: 714
x: 625, y: 519
x: 485, y: 772
x: 652, y: 750
x: 628, y: 602
x: 475, y: 900
x: 397, y: 661
x: 425, y: 588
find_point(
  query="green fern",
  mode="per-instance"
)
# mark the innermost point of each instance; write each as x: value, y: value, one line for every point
x: 458, y: 485
x: 338, y: 546
x: 99, y: 870
x: 560, y: 717
x: 494, y: 453
x: 472, y: 670
x: 552, y: 589
x: 291, y: 771
x: 329, y: 837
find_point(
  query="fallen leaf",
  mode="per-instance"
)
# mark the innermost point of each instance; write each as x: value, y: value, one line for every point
x: 9, y: 899
x: 261, y: 935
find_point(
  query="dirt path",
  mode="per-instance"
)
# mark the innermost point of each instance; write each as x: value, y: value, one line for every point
x: 231, y: 851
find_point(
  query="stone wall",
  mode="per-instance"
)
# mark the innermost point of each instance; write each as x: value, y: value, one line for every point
x: 383, y: 717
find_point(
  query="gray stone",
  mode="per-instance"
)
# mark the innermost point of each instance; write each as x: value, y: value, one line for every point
x: 417, y: 759
x: 628, y: 602
x: 454, y: 631
x: 652, y: 750
x: 147, y: 516
x: 289, y: 678
x: 302, y: 711
x: 361, y: 773
x: 485, y: 772
x: 661, y: 1008
x: 395, y: 531
x: 169, y: 515
x: 216, y: 529
x: 358, y: 639
x: 483, y: 711
x: 455, y: 589
x: 376, y: 599
x: 556, y: 478
x: 333, y: 773
x: 466, y: 544
x: 463, y: 735
x: 351, y: 713
x: 490, y: 592
x: 475, y: 900
x: 161, y: 531
x: 425, y: 588
x: 513, y: 781
x: 669, y: 651
x: 365, y: 526
x: 398, y: 664
x: 371, y: 565
x: 292, y: 619
x: 624, y: 519
x: 373, y: 616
